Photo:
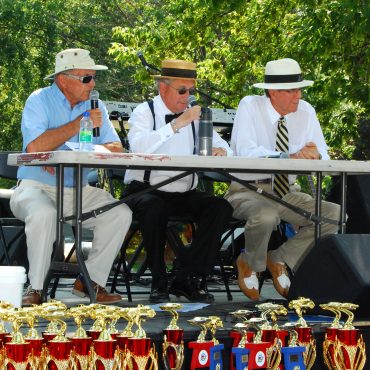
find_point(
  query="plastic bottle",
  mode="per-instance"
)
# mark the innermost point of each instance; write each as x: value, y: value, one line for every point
x: 86, y: 132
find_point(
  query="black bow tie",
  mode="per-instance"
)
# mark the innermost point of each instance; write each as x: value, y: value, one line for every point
x: 171, y: 117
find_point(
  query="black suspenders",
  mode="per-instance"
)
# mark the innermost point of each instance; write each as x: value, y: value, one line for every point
x: 146, y: 178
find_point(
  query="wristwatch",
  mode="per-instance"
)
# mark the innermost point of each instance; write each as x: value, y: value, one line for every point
x: 173, y: 125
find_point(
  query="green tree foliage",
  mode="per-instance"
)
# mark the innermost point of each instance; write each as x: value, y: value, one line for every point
x: 232, y: 40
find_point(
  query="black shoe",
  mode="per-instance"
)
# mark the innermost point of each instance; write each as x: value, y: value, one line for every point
x: 190, y: 290
x: 159, y: 294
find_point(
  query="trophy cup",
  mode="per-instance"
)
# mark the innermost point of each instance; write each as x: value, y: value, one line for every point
x: 305, y: 336
x: 140, y: 352
x: 98, y: 325
x: 272, y: 333
x: 348, y: 349
x: 17, y: 350
x: 240, y: 335
x: 201, y: 347
x: 4, y: 307
x: 46, y: 310
x: 173, y: 343
x: 215, y: 351
x: 37, y: 355
x: 293, y: 354
x: 105, y: 354
x: 58, y: 349
x: 257, y: 349
x: 81, y: 342
x: 127, y: 313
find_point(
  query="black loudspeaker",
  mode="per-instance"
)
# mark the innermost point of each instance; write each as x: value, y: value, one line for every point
x: 336, y: 269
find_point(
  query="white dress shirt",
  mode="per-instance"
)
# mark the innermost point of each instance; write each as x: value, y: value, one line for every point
x: 162, y: 140
x: 255, y: 127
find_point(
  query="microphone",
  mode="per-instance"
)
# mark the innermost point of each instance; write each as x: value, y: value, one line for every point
x: 143, y: 61
x: 192, y: 100
x: 94, y: 100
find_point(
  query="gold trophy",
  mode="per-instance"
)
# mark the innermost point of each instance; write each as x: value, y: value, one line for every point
x: 347, y: 349
x: 272, y: 333
x: 173, y: 339
x: 127, y: 313
x: 105, y: 354
x: 140, y: 353
x: 215, y: 351
x: 81, y: 342
x: 58, y: 349
x: 17, y: 351
x: 305, y: 336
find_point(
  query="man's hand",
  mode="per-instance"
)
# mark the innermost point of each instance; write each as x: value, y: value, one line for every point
x: 97, y: 117
x: 219, y: 152
x: 309, y: 151
x: 191, y: 114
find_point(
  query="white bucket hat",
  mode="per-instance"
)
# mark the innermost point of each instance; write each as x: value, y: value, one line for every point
x: 283, y: 74
x: 74, y: 59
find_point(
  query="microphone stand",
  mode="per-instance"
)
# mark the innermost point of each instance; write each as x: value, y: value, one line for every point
x: 148, y: 66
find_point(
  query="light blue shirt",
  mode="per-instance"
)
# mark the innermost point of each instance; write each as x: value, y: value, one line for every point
x: 46, y: 109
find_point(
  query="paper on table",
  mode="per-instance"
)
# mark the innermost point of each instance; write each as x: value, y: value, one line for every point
x: 95, y: 148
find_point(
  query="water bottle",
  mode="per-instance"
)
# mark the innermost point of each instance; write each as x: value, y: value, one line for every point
x: 86, y: 132
x: 205, y: 132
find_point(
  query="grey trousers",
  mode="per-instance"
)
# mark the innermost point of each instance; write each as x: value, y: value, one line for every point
x: 262, y: 216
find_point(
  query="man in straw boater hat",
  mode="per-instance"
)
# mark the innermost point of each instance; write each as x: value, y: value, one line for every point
x: 278, y: 124
x: 50, y: 118
x: 169, y: 125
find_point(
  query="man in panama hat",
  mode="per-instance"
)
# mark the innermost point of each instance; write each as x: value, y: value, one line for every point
x: 278, y: 124
x: 50, y: 118
x: 169, y: 125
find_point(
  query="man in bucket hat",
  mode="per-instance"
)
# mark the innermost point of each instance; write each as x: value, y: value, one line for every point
x: 50, y: 118
x: 277, y: 124
x: 169, y: 125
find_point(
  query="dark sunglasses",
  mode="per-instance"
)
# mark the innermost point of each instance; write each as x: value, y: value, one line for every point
x: 83, y: 79
x: 184, y: 90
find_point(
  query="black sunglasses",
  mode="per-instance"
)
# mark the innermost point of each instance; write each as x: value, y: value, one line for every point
x: 83, y: 79
x: 184, y: 90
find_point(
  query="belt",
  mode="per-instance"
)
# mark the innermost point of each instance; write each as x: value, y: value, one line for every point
x: 263, y: 181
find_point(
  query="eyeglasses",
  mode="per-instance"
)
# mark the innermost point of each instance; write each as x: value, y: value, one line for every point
x: 83, y: 79
x: 184, y: 90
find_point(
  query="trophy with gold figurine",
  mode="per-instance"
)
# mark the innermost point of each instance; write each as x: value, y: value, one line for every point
x: 58, y: 349
x: 17, y: 350
x: 128, y: 314
x: 173, y: 339
x: 293, y: 353
x: 344, y: 348
x: 105, y: 355
x: 140, y: 351
x: 206, y: 353
x: 304, y: 332
x: 81, y: 342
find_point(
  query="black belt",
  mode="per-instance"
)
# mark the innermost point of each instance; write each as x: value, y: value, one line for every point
x: 263, y: 181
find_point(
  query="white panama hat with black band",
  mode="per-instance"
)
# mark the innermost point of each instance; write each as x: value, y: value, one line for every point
x: 283, y: 74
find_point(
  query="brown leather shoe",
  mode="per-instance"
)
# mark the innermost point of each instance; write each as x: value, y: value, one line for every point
x: 101, y: 295
x: 31, y: 296
x: 280, y: 277
x: 246, y: 276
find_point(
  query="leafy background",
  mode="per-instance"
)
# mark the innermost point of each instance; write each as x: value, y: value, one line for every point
x: 230, y: 40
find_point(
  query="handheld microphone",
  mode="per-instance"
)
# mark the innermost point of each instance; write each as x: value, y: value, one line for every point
x: 142, y: 59
x: 94, y: 100
x: 192, y: 100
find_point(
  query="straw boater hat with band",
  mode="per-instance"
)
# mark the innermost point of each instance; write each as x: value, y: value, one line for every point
x: 177, y: 69
x: 74, y: 59
x: 283, y: 74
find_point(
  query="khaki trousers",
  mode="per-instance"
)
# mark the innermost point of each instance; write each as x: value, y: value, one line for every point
x: 262, y: 216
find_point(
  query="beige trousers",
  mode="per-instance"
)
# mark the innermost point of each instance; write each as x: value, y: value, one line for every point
x: 35, y: 204
x: 262, y: 216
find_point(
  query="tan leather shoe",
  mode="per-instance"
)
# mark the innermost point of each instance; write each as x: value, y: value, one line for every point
x: 31, y: 296
x: 247, y: 279
x: 101, y: 295
x: 280, y: 277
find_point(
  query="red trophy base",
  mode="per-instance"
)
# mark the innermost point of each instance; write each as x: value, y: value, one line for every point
x: 105, y: 349
x: 257, y: 355
x: 201, y: 354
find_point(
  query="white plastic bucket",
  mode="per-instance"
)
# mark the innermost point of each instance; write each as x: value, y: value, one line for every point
x: 12, y: 279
